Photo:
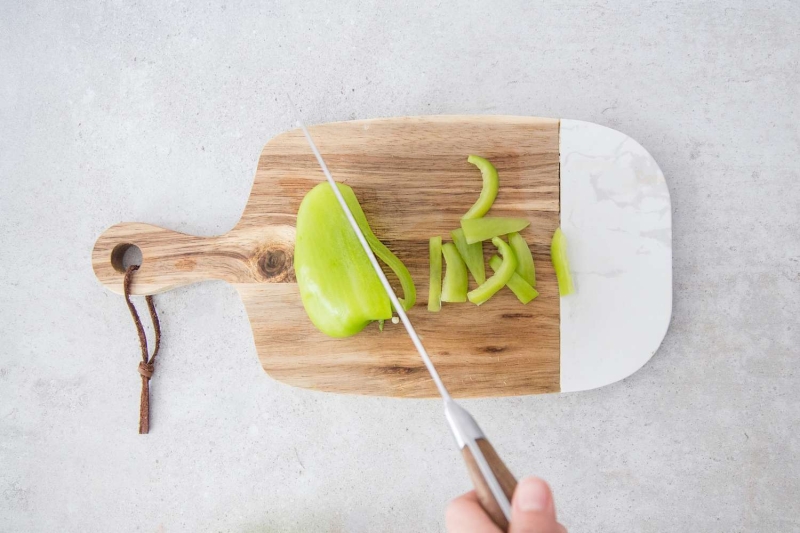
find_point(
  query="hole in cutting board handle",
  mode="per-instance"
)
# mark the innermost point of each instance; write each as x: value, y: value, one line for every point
x: 125, y: 255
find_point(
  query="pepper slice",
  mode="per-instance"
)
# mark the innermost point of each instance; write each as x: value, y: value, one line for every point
x: 521, y: 288
x: 472, y: 254
x: 558, y: 254
x: 501, y: 276
x: 379, y: 249
x: 483, y: 229
x: 454, y: 288
x: 491, y: 184
x: 435, y: 287
x: 341, y: 293
x: 524, y: 258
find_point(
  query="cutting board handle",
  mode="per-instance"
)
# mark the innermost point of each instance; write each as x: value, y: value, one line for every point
x: 171, y: 259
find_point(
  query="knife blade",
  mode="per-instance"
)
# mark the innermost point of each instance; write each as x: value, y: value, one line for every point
x: 493, y: 482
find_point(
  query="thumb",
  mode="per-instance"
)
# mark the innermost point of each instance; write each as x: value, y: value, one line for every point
x: 532, y: 508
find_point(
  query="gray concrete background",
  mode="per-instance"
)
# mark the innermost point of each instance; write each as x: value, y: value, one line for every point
x: 156, y: 112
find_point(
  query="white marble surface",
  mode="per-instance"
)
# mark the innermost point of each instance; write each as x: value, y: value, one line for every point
x: 616, y: 215
x: 157, y: 111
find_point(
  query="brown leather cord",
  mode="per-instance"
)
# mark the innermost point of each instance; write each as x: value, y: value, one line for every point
x: 146, y: 366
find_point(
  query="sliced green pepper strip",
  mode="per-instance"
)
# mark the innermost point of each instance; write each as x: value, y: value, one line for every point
x: 381, y: 251
x: 558, y: 254
x: 341, y: 293
x: 491, y: 184
x: 501, y: 276
x: 454, y: 288
x: 435, y: 287
x: 524, y: 258
x: 472, y: 254
x: 483, y: 229
x: 521, y: 288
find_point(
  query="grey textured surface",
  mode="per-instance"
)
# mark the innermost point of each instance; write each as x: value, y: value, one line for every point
x: 157, y: 111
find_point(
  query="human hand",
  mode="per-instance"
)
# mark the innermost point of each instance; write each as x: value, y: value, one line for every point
x: 532, y: 511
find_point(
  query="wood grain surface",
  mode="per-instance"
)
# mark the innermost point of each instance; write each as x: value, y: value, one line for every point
x: 412, y: 178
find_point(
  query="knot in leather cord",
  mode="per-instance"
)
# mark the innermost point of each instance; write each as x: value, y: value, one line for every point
x: 146, y: 369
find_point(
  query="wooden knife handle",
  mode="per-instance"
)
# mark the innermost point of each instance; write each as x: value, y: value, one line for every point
x: 171, y: 259
x: 503, y: 475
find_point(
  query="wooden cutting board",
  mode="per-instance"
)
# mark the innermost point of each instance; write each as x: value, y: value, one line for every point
x: 412, y: 178
x: 413, y: 181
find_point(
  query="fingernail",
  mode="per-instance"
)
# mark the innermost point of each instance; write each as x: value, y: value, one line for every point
x: 531, y: 495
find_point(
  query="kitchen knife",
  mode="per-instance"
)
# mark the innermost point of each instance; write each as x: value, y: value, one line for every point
x: 493, y: 482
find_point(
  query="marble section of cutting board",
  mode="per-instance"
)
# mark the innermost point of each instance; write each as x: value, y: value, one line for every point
x: 616, y: 215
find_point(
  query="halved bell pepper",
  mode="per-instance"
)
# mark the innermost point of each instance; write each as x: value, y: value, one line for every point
x: 500, y: 277
x: 491, y: 184
x: 341, y: 292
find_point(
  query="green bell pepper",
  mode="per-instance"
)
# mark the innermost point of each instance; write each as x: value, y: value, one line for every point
x: 501, y: 276
x: 524, y: 258
x: 472, y: 254
x: 483, y: 229
x: 491, y: 184
x: 454, y: 288
x: 435, y: 287
x: 558, y: 254
x: 521, y: 288
x: 341, y: 292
